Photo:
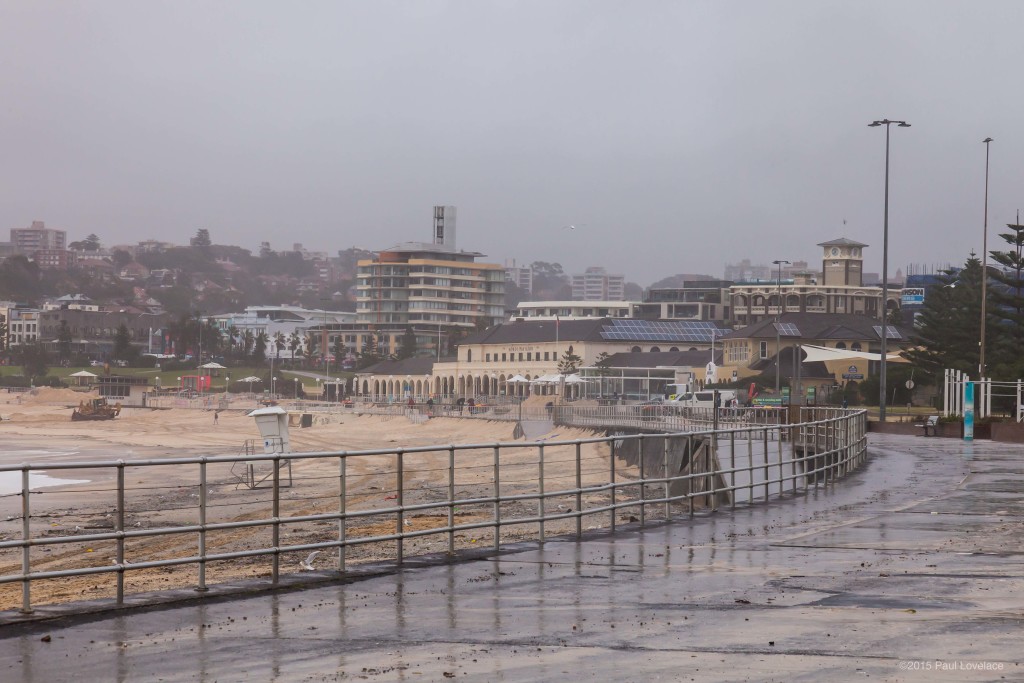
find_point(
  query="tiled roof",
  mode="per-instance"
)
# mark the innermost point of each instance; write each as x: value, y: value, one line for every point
x: 528, y: 331
x: 674, y: 359
x: 842, y: 242
x: 818, y: 326
x: 405, y: 366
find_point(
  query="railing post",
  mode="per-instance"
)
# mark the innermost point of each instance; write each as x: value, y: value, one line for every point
x: 119, y: 528
x: 782, y: 476
x: 400, y: 500
x: 497, y: 497
x: 26, y: 533
x: 611, y: 480
x: 540, y: 497
x: 275, y: 567
x: 202, y: 527
x: 690, y: 483
x: 766, y: 477
x: 732, y: 469
x: 643, y: 483
x: 342, y: 511
x: 451, y: 500
x: 750, y: 467
x: 667, y: 486
x: 579, y: 493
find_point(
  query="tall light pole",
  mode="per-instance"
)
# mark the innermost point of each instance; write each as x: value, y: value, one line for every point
x: 885, y: 266
x: 778, y: 335
x: 984, y: 271
x: 327, y: 367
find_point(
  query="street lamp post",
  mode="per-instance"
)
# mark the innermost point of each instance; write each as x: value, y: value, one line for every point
x: 885, y: 266
x: 778, y: 335
x: 984, y: 272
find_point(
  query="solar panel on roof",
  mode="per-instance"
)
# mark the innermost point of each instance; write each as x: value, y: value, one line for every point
x: 890, y: 332
x: 662, y: 330
x: 787, y: 329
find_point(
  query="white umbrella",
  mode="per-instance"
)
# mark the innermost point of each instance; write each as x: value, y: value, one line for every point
x: 517, y: 379
x: 213, y: 366
x: 250, y: 379
x: 82, y: 373
x: 575, y: 379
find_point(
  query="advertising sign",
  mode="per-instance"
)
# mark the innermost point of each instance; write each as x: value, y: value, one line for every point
x: 912, y: 296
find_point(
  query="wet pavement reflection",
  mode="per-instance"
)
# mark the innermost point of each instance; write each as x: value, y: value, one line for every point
x: 914, y: 557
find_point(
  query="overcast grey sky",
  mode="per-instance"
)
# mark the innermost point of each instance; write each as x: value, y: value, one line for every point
x: 682, y: 134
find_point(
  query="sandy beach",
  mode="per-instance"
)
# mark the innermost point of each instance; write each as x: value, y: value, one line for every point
x: 36, y: 428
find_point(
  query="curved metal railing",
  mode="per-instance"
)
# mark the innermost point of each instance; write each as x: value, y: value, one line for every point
x: 180, y: 518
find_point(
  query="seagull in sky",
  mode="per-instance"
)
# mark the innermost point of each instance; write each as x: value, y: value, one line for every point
x: 307, y: 564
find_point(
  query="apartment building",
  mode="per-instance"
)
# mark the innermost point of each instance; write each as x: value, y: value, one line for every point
x: 417, y: 283
x: 596, y: 284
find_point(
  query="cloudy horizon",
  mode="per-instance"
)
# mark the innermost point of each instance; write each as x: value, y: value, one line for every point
x: 676, y: 136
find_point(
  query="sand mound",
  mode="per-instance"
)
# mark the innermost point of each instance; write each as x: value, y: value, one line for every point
x: 45, y: 395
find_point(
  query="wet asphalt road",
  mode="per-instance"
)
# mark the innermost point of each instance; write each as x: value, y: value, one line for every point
x: 909, y: 569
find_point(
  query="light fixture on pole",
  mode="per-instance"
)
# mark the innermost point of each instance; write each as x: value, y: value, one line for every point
x: 324, y: 340
x: 984, y: 272
x: 885, y: 267
x: 778, y: 309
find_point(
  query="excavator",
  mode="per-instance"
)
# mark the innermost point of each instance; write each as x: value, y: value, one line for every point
x: 96, y: 409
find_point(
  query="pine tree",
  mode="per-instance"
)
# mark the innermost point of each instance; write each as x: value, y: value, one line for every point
x: 569, y: 362
x: 1006, y: 307
x: 407, y: 345
x: 947, y: 328
x: 122, y: 342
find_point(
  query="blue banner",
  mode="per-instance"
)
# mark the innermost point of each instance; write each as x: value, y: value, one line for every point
x: 968, y: 411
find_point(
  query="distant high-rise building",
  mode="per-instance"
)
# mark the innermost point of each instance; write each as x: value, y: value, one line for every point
x: 36, y: 237
x: 520, y: 277
x: 595, y: 284
x: 444, y: 226
x: 419, y: 283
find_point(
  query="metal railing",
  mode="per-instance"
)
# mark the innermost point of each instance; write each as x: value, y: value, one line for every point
x: 179, y: 519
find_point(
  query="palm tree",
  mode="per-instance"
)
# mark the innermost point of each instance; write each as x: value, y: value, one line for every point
x: 294, y: 342
x: 248, y: 339
x: 279, y: 343
x: 233, y: 337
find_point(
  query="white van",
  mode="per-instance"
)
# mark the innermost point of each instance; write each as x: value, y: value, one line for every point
x: 705, y: 399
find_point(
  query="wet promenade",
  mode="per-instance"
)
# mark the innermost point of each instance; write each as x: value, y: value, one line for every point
x: 909, y: 569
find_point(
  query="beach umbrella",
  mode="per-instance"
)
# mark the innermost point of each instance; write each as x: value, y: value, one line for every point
x: 517, y: 379
x: 213, y: 366
x: 250, y: 379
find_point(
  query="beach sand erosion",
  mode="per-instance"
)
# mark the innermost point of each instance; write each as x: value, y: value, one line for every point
x: 38, y: 429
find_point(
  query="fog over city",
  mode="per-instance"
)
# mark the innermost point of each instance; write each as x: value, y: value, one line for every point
x: 675, y: 136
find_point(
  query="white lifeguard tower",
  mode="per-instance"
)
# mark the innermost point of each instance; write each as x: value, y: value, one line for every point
x: 273, y: 425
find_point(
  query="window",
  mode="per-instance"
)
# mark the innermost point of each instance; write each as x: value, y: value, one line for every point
x: 546, y: 355
x: 840, y: 345
x: 503, y: 357
x: 635, y: 349
x: 529, y: 355
x: 764, y: 349
x: 855, y: 346
x: 487, y: 358
x: 655, y: 349
x: 469, y: 355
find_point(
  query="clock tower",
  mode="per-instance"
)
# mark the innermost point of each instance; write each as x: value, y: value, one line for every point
x: 842, y: 263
